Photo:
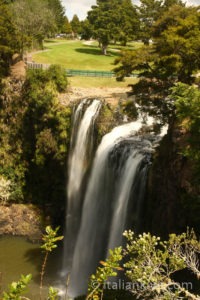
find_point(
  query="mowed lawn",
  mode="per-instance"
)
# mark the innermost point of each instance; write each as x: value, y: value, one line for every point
x: 78, y: 55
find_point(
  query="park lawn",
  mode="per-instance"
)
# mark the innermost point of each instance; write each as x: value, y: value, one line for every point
x: 80, y: 55
x: 99, y: 82
x: 76, y: 55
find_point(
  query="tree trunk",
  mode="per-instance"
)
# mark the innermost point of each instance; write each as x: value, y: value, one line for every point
x: 104, y: 49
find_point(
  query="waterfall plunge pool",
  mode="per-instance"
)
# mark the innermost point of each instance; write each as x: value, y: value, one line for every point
x: 19, y: 256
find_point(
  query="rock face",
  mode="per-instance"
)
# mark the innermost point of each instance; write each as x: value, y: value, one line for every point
x: 172, y: 194
x: 22, y: 220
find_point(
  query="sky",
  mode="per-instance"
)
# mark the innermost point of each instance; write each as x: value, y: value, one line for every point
x: 80, y: 7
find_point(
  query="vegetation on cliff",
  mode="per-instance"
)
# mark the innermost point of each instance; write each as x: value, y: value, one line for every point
x: 34, y: 128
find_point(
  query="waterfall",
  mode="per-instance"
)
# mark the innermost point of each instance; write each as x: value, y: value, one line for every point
x: 114, y: 195
x: 81, y: 150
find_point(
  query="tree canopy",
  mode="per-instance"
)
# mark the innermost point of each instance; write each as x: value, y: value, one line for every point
x: 43, y: 18
x: 113, y: 20
x: 8, y: 41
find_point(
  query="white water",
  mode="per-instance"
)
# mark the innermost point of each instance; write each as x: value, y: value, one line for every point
x: 115, y: 191
x: 100, y: 204
x: 81, y: 143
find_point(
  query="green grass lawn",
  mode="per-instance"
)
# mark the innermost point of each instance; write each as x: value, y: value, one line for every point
x: 77, y: 55
x: 99, y: 82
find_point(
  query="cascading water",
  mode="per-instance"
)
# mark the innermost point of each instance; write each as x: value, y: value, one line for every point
x: 118, y: 176
x: 81, y: 151
x: 113, y: 198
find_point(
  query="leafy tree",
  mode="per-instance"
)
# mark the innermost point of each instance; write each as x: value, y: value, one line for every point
x: 34, y: 136
x: 177, y: 42
x: 75, y: 25
x: 113, y: 20
x: 187, y: 104
x: 45, y: 135
x: 149, y: 12
x: 34, y: 20
x: 86, y: 32
x: 8, y: 41
x: 173, y: 56
x: 59, y: 14
x: 66, y: 28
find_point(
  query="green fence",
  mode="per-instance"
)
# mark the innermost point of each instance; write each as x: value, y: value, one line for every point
x: 87, y: 73
x: 72, y: 72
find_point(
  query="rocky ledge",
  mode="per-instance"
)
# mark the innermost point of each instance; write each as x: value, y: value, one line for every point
x: 21, y: 220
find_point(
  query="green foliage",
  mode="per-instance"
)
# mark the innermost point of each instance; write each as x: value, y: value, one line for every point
x: 34, y: 20
x: 16, y: 289
x: 187, y: 102
x: 75, y: 25
x: 113, y: 20
x: 49, y: 243
x: 8, y: 41
x: 177, y: 42
x: 45, y: 134
x: 150, y: 265
x: 50, y: 239
x: 53, y: 294
x: 110, y: 268
x: 59, y: 14
x: 34, y: 128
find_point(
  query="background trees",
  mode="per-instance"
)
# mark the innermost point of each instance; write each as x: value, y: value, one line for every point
x: 43, y: 18
x: 75, y: 25
x: 173, y: 56
x: 8, y: 40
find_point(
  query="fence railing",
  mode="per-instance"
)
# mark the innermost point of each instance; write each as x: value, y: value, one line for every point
x: 73, y: 72
x: 89, y: 73
x: 33, y: 65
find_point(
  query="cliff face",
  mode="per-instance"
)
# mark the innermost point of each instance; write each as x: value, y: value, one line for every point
x: 172, y: 203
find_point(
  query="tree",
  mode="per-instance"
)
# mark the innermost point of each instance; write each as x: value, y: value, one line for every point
x: 113, y: 20
x: 149, y: 12
x: 59, y: 14
x: 66, y: 28
x: 173, y: 56
x: 8, y: 40
x: 177, y: 42
x: 34, y: 20
x: 75, y: 25
x: 86, y: 32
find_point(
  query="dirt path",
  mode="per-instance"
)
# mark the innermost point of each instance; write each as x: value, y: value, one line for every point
x: 111, y: 95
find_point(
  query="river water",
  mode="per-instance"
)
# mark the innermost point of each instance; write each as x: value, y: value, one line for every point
x: 19, y: 256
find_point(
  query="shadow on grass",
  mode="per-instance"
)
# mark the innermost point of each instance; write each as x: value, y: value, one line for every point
x: 95, y: 51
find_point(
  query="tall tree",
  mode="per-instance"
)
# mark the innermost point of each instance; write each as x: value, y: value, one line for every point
x: 173, y: 56
x: 34, y: 20
x: 149, y: 12
x: 8, y: 41
x: 177, y: 41
x: 113, y: 20
x: 75, y: 25
x: 59, y: 13
x: 66, y: 28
